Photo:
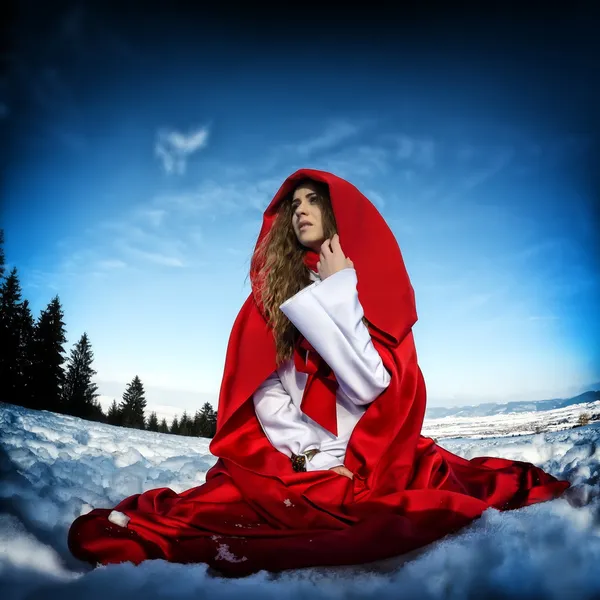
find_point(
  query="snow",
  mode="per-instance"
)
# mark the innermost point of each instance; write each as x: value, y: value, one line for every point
x: 54, y: 468
x: 224, y: 553
x: 518, y: 423
x: 118, y: 518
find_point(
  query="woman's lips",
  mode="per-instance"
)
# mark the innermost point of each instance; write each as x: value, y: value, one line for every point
x: 305, y: 226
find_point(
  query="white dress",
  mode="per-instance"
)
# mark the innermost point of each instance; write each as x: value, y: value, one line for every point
x: 329, y: 315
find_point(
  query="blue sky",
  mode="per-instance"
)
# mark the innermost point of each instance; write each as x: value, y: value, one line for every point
x: 143, y: 163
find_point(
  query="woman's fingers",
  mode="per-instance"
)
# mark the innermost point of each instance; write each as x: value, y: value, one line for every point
x: 326, y: 248
x: 332, y: 245
x: 343, y: 471
x: 335, y: 243
x: 331, y: 257
x: 336, y: 247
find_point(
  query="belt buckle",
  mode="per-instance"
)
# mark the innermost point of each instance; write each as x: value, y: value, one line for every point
x: 299, y: 460
x: 299, y: 463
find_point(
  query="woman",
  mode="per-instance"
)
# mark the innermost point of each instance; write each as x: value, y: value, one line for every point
x: 320, y: 457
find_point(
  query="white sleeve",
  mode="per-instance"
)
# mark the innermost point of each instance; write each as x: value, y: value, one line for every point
x: 284, y: 426
x: 323, y: 461
x: 329, y: 315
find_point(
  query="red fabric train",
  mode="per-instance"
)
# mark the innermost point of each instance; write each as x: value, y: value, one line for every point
x: 255, y: 512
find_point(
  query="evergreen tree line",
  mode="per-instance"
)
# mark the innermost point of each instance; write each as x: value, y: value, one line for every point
x: 35, y: 373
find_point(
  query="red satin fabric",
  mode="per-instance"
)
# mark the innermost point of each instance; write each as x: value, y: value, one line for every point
x: 311, y: 258
x: 254, y: 512
x: 319, y: 396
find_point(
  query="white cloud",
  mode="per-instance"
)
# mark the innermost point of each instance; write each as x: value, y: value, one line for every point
x: 466, y: 152
x: 153, y: 257
x: 420, y: 151
x: 498, y: 161
x: 213, y: 198
x: 174, y: 148
x: 132, y: 241
x: 364, y: 161
x: 543, y: 318
x: 545, y: 246
x: 153, y: 216
x: 167, y: 231
x: 376, y: 199
x: 110, y: 264
x: 333, y: 134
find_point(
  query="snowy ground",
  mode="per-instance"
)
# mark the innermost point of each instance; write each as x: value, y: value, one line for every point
x: 520, y: 423
x: 54, y: 468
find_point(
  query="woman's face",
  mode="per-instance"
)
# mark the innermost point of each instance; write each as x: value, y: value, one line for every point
x: 307, y: 218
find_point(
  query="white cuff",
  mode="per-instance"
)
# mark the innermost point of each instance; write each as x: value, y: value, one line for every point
x: 281, y: 419
x: 323, y: 461
x: 305, y: 290
x: 330, y: 316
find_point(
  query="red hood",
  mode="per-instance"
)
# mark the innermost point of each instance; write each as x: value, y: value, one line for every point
x: 383, y: 284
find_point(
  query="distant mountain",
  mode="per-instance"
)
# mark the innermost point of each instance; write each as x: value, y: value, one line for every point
x: 493, y: 408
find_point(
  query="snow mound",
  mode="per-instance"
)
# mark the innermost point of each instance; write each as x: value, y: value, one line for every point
x: 54, y: 468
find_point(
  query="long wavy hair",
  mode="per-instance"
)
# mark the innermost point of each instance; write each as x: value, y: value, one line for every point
x: 283, y: 272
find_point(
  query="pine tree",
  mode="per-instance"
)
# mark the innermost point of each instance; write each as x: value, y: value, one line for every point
x: 197, y: 424
x: 2, y: 261
x: 163, y: 427
x: 10, y: 339
x: 205, y: 421
x: 114, y: 415
x: 211, y: 419
x: 185, y: 424
x: 152, y: 422
x: 133, y: 405
x: 96, y: 413
x: 47, y: 369
x: 25, y: 356
x: 174, y: 426
x: 80, y: 393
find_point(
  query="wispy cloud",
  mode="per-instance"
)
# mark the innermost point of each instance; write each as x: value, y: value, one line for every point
x: 476, y: 300
x: 495, y: 162
x: 133, y: 242
x: 542, y: 248
x: 357, y: 163
x: 332, y: 137
x: 376, y: 198
x: 157, y: 258
x: 555, y: 151
x: 152, y: 216
x: 498, y: 161
x: 421, y: 151
x: 213, y: 198
x: 169, y: 231
x: 174, y: 148
x: 110, y: 265
x: 543, y: 318
x: 335, y: 133
x: 71, y: 262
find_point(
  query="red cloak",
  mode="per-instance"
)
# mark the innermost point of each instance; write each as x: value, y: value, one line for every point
x: 254, y: 512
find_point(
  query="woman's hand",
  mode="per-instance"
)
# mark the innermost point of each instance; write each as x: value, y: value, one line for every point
x: 343, y: 471
x: 331, y: 258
